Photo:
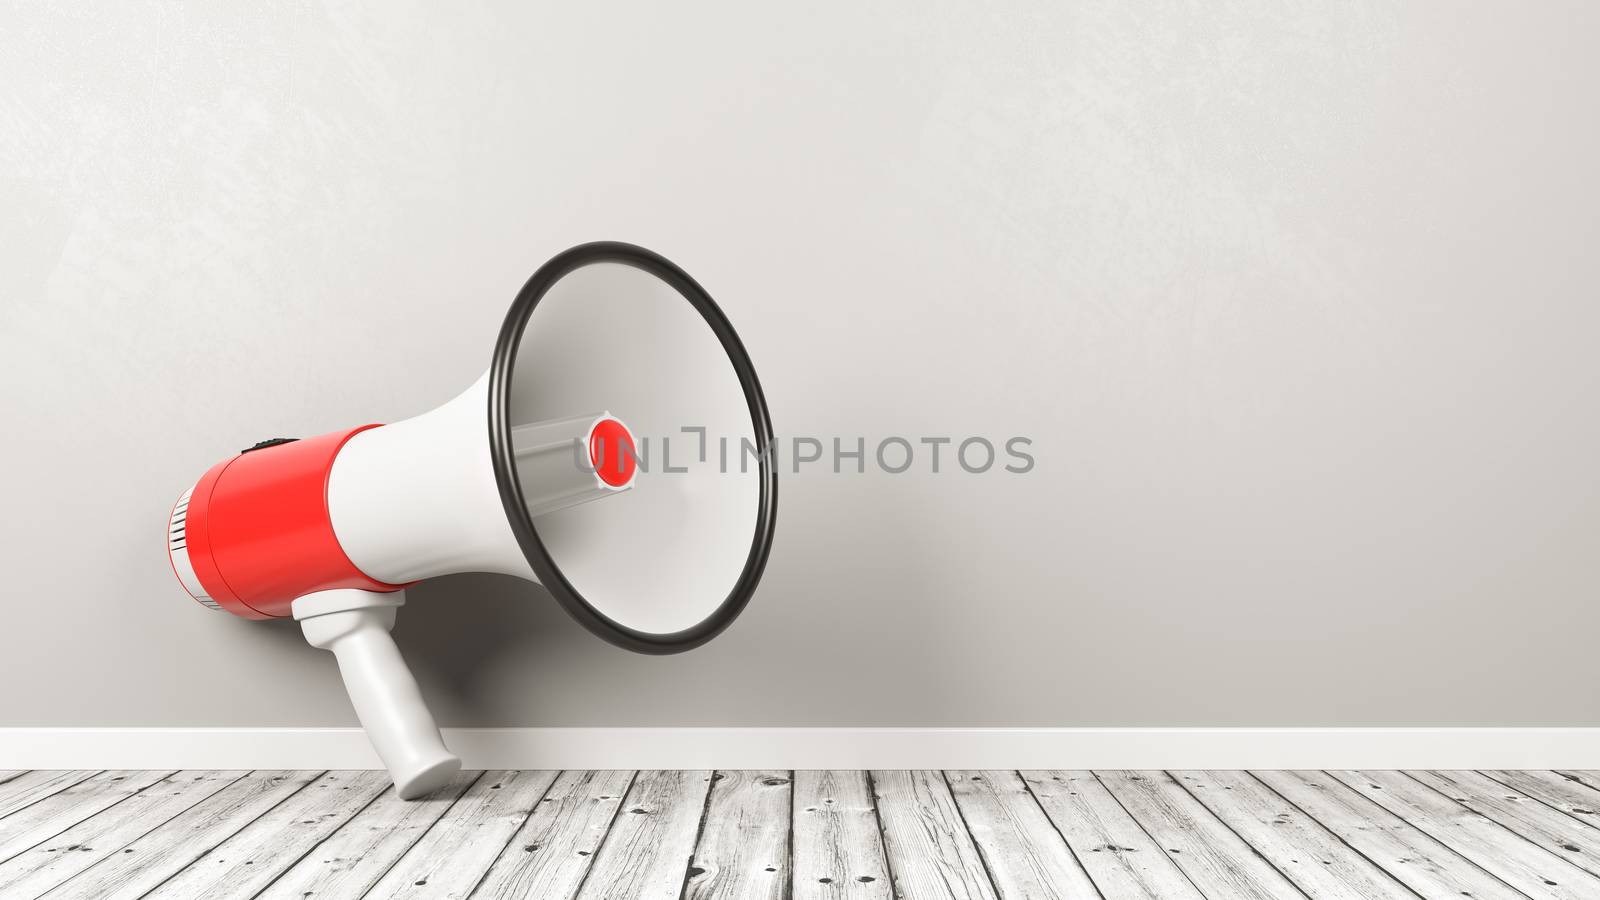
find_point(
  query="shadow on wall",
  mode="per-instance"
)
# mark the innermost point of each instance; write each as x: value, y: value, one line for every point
x: 458, y: 634
x: 498, y: 651
x: 457, y: 630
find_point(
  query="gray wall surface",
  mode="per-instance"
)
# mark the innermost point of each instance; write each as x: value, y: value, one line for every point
x: 1297, y: 302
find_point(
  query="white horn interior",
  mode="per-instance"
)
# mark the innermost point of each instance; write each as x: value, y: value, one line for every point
x: 663, y: 556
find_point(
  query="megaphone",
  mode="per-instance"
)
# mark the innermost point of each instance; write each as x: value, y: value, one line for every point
x: 544, y: 469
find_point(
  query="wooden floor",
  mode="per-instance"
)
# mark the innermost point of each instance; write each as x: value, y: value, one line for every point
x: 994, y: 835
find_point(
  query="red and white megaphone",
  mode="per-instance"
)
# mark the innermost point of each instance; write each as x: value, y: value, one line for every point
x: 331, y: 529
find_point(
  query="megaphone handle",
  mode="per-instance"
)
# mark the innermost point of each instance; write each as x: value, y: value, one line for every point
x: 355, y: 624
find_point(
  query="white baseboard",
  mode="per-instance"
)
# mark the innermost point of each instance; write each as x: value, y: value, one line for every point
x: 821, y: 748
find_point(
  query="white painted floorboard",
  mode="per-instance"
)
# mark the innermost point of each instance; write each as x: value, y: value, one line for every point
x: 1311, y: 856
x: 807, y: 835
x: 1119, y: 855
x: 838, y: 846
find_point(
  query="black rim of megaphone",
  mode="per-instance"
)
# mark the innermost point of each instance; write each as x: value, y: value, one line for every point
x: 522, y: 525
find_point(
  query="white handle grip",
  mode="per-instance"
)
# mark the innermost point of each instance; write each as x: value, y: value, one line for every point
x: 355, y: 626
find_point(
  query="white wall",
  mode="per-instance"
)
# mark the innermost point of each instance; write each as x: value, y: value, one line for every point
x: 1298, y: 303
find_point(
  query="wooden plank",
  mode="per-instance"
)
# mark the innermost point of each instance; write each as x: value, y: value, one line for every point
x: 352, y: 860
x: 1509, y: 857
x: 1588, y: 778
x: 646, y: 855
x: 743, y: 849
x: 147, y: 861
x: 551, y: 853
x: 1120, y: 858
x: 106, y: 833
x: 931, y: 855
x: 44, y: 819
x: 452, y: 857
x: 1414, y: 859
x: 31, y: 787
x: 1214, y: 858
x: 1563, y: 792
x: 8, y: 774
x: 838, y: 849
x: 1551, y: 829
x: 252, y: 857
x: 1310, y: 855
x: 1023, y: 853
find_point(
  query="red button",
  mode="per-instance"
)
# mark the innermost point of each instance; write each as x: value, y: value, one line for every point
x: 611, y: 452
